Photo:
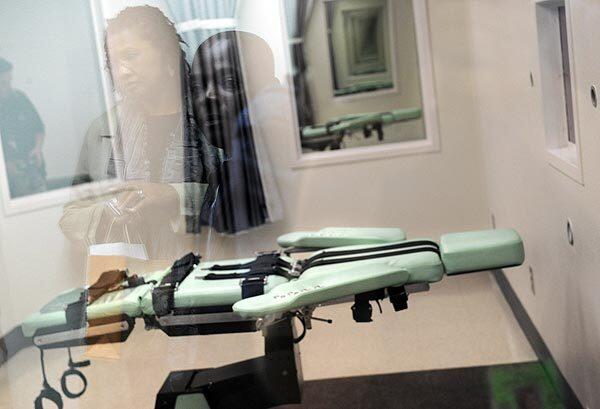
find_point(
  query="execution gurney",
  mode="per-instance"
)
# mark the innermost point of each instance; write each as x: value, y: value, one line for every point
x: 265, y: 294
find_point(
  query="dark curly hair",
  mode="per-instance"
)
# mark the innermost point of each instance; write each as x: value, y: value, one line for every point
x: 152, y: 24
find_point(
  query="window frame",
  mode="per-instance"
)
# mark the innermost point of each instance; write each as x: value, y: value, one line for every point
x: 59, y: 197
x: 431, y: 143
x: 562, y: 153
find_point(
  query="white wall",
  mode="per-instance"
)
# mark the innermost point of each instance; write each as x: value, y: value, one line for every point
x: 526, y: 193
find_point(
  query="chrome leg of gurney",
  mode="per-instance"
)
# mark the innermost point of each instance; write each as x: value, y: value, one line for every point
x: 270, y: 380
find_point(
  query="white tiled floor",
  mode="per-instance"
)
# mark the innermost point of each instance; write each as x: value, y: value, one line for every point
x: 462, y: 321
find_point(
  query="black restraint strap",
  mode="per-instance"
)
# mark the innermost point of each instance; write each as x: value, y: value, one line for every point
x: 48, y: 392
x: 253, y: 286
x: 254, y: 280
x: 325, y: 262
x: 253, y: 273
x: 163, y: 296
x: 269, y: 261
x: 181, y: 269
x: 262, y: 261
x: 73, y: 371
x: 385, y: 247
x: 267, y: 264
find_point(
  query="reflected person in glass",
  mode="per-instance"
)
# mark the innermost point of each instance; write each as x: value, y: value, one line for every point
x: 237, y: 100
x: 22, y: 132
x: 148, y: 141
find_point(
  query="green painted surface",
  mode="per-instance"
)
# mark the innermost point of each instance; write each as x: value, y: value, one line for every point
x: 515, y: 387
x: 481, y: 250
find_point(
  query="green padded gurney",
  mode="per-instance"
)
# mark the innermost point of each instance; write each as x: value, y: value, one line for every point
x: 459, y: 253
x: 340, y: 236
x: 330, y: 282
x: 358, y: 121
x: 124, y: 302
x: 266, y: 292
x: 215, y: 291
x: 481, y: 250
x: 195, y: 292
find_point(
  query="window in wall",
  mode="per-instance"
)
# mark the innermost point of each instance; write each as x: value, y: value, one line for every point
x: 558, y: 86
x: 566, y: 65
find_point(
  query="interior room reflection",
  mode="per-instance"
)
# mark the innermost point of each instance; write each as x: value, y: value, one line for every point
x: 355, y: 73
x: 51, y: 92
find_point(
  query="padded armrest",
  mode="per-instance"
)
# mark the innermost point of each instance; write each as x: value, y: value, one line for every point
x: 341, y: 236
x: 353, y: 279
x: 481, y: 250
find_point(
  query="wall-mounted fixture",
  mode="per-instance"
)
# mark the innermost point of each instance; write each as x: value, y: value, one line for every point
x: 594, y: 96
x: 570, y: 234
x: 531, y: 280
x: 557, y: 83
x: 531, y: 82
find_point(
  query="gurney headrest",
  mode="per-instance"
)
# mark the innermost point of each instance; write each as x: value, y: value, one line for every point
x: 481, y: 250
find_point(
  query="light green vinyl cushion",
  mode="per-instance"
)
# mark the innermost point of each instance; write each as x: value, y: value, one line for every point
x: 123, y: 302
x: 330, y: 282
x: 341, y: 236
x: 195, y: 292
x: 481, y: 250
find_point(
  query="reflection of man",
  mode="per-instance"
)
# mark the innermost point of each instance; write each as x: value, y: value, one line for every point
x: 22, y: 133
x: 233, y: 75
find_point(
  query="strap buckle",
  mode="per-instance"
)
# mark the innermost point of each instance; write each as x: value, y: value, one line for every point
x: 253, y: 286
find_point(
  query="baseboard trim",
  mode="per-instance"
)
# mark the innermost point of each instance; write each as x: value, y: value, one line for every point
x: 540, y: 348
x: 11, y: 343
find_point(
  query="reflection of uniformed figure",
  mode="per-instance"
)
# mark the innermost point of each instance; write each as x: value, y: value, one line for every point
x: 149, y: 141
x: 22, y: 133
